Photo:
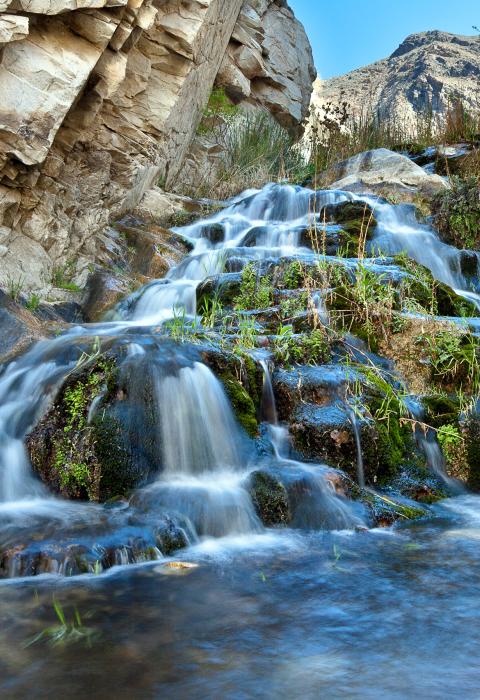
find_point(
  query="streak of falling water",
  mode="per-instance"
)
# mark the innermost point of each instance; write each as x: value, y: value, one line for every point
x: 198, y: 430
x: 358, y: 444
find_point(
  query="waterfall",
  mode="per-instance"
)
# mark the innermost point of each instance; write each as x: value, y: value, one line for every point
x: 399, y: 231
x: 198, y: 430
x: 358, y: 444
x: 319, y: 506
x: 200, y: 441
x: 202, y: 477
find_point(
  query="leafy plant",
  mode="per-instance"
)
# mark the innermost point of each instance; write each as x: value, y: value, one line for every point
x: 256, y: 292
x: 457, y: 212
x: 65, y: 631
x: 247, y: 333
x: 15, y: 287
x: 454, y: 358
x: 33, y: 303
x: 62, y: 277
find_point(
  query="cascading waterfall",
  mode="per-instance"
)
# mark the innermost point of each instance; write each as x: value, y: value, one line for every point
x: 203, y: 475
x: 399, y: 231
x: 204, y: 468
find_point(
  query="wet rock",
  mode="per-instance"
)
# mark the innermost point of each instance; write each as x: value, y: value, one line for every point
x: 308, y: 384
x: 469, y: 263
x: 103, y: 291
x: 325, y: 434
x: 270, y: 499
x: 225, y: 286
x: 153, y: 250
x: 214, y: 233
x: 242, y: 379
x: 99, y: 439
x: 66, y: 312
x: 386, y: 510
x: 19, y: 328
x: 470, y: 431
x: 74, y: 551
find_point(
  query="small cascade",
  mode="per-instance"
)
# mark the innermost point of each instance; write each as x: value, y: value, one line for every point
x: 399, y: 231
x: 315, y: 503
x: 200, y: 446
x: 198, y: 430
x: 430, y: 447
x: 202, y: 476
x: 269, y: 408
x: 358, y: 444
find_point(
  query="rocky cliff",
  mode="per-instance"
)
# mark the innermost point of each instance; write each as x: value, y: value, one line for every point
x: 101, y: 99
x: 427, y: 71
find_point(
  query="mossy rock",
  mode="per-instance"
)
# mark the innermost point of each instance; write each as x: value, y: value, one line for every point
x: 385, y: 510
x: 94, y: 442
x: 470, y: 428
x: 270, y: 499
x: 242, y: 380
x: 441, y: 409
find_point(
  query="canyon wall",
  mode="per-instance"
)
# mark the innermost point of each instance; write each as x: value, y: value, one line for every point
x: 100, y: 100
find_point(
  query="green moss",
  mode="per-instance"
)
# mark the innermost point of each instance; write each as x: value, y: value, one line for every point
x: 270, y: 499
x: 74, y: 460
x: 386, y: 510
x: 441, y: 409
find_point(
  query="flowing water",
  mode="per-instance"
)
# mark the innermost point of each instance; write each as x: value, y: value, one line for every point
x: 323, y: 608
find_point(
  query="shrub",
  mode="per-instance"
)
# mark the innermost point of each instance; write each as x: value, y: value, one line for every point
x: 457, y: 212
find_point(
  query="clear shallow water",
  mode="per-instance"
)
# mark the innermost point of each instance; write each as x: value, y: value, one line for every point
x: 379, y: 614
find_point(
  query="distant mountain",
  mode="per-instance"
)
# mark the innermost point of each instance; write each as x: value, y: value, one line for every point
x: 428, y: 70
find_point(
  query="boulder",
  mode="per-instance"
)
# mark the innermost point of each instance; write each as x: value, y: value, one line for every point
x: 382, y: 172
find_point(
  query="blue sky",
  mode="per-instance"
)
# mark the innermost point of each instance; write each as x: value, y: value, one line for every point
x: 348, y: 34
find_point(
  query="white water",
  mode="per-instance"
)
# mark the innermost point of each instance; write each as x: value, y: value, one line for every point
x: 398, y: 231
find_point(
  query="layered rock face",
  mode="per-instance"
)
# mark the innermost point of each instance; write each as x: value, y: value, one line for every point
x: 268, y: 65
x: 428, y: 71
x: 100, y: 100
x: 269, y: 62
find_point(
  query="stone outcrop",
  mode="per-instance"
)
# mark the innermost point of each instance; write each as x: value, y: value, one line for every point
x: 382, y: 172
x: 428, y: 71
x: 269, y: 66
x: 101, y: 100
x: 269, y: 62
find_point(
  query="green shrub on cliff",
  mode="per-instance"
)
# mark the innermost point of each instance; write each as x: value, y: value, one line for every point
x: 457, y: 212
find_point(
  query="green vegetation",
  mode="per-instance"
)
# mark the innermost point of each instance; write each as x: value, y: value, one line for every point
x: 62, y: 277
x: 219, y: 106
x: 457, y: 212
x: 74, y: 454
x: 270, y: 499
x: 33, y: 303
x: 15, y: 287
x: 65, y: 631
x: 256, y: 292
x: 337, y: 135
x: 454, y: 359
x: 306, y: 348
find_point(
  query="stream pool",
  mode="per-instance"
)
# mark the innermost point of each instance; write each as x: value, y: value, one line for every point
x: 391, y: 613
